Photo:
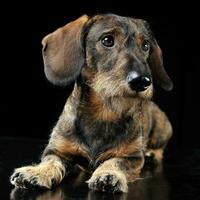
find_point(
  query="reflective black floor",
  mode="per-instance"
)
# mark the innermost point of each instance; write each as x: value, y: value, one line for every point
x: 179, y: 179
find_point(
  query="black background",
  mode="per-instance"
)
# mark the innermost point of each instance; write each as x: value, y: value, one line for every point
x: 30, y: 105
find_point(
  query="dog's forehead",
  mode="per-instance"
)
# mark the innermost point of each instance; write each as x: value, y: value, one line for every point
x: 111, y: 22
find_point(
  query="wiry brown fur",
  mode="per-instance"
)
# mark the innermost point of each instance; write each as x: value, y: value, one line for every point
x: 105, y: 123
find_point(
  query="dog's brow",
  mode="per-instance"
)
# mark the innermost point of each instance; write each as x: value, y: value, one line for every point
x: 108, y: 31
x: 111, y: 30
x: 140, y: 27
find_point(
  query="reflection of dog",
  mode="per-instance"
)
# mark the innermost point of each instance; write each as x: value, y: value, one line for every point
x: 109, y: 120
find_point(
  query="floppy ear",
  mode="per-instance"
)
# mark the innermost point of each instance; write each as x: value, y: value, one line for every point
x: 157, y: 67
x: 63, y: 54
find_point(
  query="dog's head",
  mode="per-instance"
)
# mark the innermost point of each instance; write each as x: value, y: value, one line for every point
x: 117, y: 56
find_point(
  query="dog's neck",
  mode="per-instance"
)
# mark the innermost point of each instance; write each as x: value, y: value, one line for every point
x: 109, y: 108
x: 104, y: 123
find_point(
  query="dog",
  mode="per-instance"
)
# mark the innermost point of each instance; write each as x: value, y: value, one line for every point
x: 109, y: 124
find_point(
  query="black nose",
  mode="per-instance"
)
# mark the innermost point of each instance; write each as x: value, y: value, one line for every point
x: 138, y: 82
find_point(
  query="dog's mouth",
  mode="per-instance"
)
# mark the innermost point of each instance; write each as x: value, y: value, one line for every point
x: 143, y: 92
x: 146, y: 93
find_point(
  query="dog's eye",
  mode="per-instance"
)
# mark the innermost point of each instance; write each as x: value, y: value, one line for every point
x: 108, y: 41
x: 146, y: 45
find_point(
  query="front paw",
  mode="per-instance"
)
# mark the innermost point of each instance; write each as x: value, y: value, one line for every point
x: 110, y: 182
x: 44, y: 175
x: 31, y: 177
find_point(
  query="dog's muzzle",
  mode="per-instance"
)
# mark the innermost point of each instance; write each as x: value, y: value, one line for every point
x: 138, y: 82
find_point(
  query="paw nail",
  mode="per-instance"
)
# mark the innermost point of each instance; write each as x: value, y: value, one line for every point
x: 14, y: 176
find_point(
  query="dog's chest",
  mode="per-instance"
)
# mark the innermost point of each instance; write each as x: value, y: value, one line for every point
x: 98, y: 136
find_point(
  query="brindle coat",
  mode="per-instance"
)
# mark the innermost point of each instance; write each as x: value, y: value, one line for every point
x: 105, y: 124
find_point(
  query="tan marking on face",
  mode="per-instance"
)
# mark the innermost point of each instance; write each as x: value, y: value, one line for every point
x: 108, y: 86
x: 139, y: 38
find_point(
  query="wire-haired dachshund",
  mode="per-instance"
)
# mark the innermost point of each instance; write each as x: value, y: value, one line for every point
x: 109, y: 123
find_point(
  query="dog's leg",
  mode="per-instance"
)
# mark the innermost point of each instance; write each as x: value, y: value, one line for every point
x: 58, y: 155
x: 49, y: 172
x: 57, y: 160
x: 52, y: 168
x: 113, y: 175
x: 159, y: 136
